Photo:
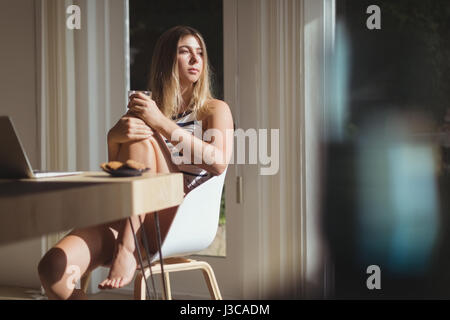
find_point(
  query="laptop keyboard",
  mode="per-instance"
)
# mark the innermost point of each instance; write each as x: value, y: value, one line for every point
x: 40, y: 171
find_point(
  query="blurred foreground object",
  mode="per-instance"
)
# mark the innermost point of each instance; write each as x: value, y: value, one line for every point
x: 386, y: 204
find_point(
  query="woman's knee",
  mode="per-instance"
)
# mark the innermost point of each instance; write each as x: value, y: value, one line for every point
x: 57, y: 277
x: 142, y: 151
x: 145, y: 144
x: 52, y: 266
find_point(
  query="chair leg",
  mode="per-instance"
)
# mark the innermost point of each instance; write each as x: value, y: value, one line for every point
x: 139, y: 287
x: 168, y: 291
x: 175, y: 266
x: 211, y: 281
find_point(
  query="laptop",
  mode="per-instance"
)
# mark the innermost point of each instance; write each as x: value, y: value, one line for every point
x: 14, y: 162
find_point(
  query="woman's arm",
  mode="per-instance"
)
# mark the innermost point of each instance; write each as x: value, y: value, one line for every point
x: 128, y: 128
x: 212, y: 155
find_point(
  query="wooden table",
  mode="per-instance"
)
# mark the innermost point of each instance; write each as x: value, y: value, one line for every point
x: 31, y: 208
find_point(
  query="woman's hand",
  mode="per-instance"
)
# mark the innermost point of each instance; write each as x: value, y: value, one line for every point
x: 129, y: 128
x: 143, y: 107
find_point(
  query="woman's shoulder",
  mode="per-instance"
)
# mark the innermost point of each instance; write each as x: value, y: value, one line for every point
x: 217, y: 110
x: 216, y: 107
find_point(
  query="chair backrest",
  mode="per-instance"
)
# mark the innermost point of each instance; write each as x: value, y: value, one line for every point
x: 195, y: 224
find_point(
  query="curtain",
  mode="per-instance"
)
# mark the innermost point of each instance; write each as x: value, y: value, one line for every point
x: 83, y: 80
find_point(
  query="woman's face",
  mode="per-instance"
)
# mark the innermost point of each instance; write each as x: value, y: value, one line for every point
x: 190, y: 60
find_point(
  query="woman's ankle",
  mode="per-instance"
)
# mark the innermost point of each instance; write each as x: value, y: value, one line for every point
x: 125, y: 245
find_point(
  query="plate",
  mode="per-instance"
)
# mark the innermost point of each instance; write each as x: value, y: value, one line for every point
x: 125, y: 172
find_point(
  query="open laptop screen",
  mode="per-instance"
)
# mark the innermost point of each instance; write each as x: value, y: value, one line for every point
x: 14, y: 163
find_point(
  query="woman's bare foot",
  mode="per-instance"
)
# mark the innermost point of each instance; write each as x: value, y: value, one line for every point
x: 122, y: 269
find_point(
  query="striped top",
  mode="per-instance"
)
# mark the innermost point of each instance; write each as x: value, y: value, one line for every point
x: 193, y: 175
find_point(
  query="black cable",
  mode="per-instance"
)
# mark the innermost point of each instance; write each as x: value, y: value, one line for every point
x: 158, y: 233
x: 147, y: 251
x: 139, y: 257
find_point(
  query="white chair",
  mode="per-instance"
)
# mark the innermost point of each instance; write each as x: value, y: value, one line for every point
x: 193, y: 229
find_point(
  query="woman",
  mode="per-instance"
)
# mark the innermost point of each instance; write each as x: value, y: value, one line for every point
x: 148, y: 133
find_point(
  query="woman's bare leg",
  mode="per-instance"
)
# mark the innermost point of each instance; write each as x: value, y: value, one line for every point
x: 81, y: 251
x: 150, y: 152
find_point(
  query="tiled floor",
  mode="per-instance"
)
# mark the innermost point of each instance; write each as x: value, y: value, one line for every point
x: 15, y: 293
x: 110, y: 296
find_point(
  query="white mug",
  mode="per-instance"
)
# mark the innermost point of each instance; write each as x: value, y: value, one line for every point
x: 130, y: 92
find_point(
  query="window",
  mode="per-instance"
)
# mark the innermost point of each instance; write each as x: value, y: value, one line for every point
x: 150, y: 18
x: 402, y: 67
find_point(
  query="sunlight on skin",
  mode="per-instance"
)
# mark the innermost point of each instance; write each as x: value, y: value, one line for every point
x: 190, y: 65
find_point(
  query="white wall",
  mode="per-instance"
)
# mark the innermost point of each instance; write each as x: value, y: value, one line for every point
x: 18, y: 99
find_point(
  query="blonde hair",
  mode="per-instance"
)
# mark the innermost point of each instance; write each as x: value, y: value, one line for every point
x: 164, y: 79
